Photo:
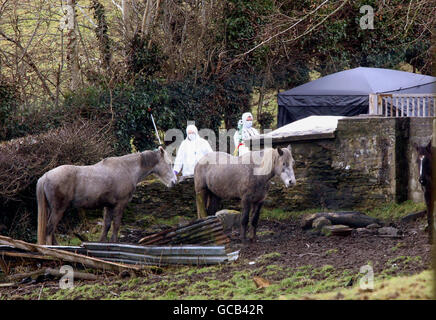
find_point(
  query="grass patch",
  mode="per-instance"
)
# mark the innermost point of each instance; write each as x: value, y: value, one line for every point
x: 418, y: 286
x: 280, y: 214
x: 395, y: 211
x: 306, y: 282
x: 269, y: 256
x: 389, y: 211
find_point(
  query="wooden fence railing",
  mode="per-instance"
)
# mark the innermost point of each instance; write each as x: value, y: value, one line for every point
x: 402, y: 105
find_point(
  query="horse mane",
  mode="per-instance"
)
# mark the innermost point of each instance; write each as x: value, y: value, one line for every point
x: 269, y: 161
x: 148, y: 158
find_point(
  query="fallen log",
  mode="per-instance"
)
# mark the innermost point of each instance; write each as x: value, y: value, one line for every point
x: 50, y: 272
x: 19, y: 276
x: 413, y: 216
x: 349, y: 218
x: 68, y: 256
x: 76, y: 275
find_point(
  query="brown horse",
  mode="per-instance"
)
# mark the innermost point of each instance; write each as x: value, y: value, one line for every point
x: 425, y: 171
x: 219, y: 175
x: 108, y: 184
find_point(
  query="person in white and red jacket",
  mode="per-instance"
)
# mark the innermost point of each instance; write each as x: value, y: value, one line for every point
x: 243, y: 133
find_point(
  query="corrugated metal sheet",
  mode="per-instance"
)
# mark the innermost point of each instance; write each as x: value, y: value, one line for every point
x: 157, y: 250
x: 198, y: 243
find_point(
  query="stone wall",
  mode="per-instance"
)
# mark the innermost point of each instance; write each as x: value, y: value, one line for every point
x: 370, y: 162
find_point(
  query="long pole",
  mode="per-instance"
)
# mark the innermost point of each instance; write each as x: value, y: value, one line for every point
x: 155, y: 129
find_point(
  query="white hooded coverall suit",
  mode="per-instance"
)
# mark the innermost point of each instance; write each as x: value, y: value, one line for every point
x: 190, y: 152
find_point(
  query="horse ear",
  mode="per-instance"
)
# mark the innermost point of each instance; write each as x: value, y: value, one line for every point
x: 415, y: 145
x: 162, y: 150
x: 289, y: 147
x: 280, y: 151
x: 429, y: 146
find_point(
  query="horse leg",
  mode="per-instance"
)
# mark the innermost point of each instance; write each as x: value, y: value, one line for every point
x: 213, y: 204
x: 117, y: 215
x: 201, y: 198
x: 53, y: 221
x: 255, y: 219
x: 246, y: 207
x: 108, y: 216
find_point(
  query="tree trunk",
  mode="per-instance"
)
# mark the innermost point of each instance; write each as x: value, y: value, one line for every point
x: 101, y: 32
x: 127, y: 20
x: 72, y: 45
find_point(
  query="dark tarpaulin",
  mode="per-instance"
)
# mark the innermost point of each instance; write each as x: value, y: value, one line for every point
x: 346, y: 93
x: 320, y: 105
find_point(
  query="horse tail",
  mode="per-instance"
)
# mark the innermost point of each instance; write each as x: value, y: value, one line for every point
x: 42, y: 211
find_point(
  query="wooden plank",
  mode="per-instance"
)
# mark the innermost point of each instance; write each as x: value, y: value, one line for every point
x: 402, y: 106
x: 25, y: 255
x: 372, y: 105
x: 392, y: 107
x: 67, y: 256
x: 423, y: 106
x: 386, y: 107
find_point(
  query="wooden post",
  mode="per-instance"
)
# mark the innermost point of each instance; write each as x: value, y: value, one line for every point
x: 393, y: 107
x: 372, y: 104
x: 434, y: 105
x: 423, y: 106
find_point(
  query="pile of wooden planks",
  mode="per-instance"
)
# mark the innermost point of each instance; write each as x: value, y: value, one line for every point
x: 203, y: 231
x: 17, y: 248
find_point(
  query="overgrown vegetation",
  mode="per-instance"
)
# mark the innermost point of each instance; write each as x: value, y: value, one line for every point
x: 23, y: 161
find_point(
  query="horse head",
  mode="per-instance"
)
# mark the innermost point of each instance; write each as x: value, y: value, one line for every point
x: 424, y: 163
x: 163, y: 169
x: 285, y: 166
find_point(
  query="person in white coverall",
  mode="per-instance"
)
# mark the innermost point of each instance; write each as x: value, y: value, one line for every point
x: 192, y: 149
x: 245, y: 131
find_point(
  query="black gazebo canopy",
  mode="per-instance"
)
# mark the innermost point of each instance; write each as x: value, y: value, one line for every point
x: 346, y: 93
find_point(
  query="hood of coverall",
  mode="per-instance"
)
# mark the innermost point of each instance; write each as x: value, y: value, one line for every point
x: 247, y: 124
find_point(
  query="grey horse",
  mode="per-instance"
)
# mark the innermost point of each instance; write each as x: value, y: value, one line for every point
x: 219, y: 175
x: 108, y: 184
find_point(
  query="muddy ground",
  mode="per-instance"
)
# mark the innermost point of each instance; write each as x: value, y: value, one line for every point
x: 296, y: 247
x: 301, y: 248
x: 292, y: 260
